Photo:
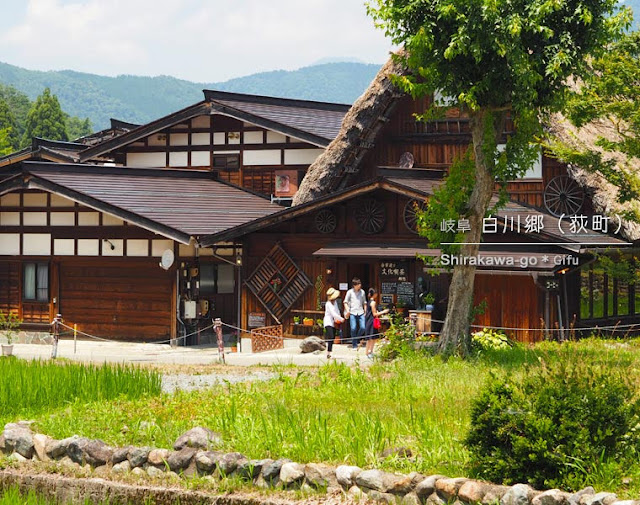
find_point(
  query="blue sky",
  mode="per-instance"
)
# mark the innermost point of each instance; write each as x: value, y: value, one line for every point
x: 198, y: 40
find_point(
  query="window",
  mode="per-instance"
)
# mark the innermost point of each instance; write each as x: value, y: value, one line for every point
x: 36, y: 282
x: 226, y: 161
x: 216, y: 279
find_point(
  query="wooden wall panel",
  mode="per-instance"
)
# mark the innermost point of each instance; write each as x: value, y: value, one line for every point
x: 512, y: 301
x: 124, y: 299
x: 10, y: 287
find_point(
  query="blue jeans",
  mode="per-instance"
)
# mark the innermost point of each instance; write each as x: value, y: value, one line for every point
x: 356, y: 333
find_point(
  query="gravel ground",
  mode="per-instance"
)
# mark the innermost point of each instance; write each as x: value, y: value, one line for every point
x: 188, y: 382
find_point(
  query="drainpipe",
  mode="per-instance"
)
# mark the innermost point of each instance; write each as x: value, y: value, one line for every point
x: 184, y: 329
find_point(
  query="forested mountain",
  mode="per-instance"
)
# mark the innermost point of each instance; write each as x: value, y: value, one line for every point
x: 140, y: 99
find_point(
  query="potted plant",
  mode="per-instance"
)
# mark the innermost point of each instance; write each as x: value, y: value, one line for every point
x: 427, y: 301
x: 8, y: 325
x: 296, y: 319
x: 307, y: 321
x: 233, y: 341
x: 401, y: 307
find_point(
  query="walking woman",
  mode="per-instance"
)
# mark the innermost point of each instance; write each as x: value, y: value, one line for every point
x: 372, y: 322
x: 332, y: 318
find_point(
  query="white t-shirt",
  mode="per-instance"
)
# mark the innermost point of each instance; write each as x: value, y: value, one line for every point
x: 355, y: 302
x: 331, y: 313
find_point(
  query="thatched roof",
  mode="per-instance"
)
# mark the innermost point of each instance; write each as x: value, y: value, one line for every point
x: 370, y: 112
x: 603, y: 194
x: 359, y: 128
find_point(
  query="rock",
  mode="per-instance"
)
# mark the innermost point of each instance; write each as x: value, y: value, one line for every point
x: 17, y: 457
x: 174, y: 476
x: 138, y: 472
x: 57, y: 448
x: 152, y: 471
x: 448, y: 488
x: 228, y: 463
x: 598, y: 499
x: 434, y: 499
x: 517, y: 495
x: 320, y: 476
x: 3, y: 445
x: 68, y: 462
x: 346, y: 475
x: 98, y: 453
x: 158, y: 457
x: 355, y: 492
x: 271, y: 472
x: 120, y: 454
x: 249, y: 469
x: 381, y: 497
x: 137, y: 456
x: 206, y: 461
x: 291, y: 473
x: 551, y: 497
x: 472, y: 491
x: 122, y: 467
x: 371, y: 479
x: 427, y: 486
x: 198, y: 438
x: 101, y: 471
x: 40, y: 442
x: 396, y: 452
x: 411, y: 499
x: 75, y: 450
x: 180, y: 460
x: 494, y: 494
x: 311, y: 344
x: 19, y: 438
x: 399, y: 484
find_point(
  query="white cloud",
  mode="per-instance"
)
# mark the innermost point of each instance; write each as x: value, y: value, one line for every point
x: 202, y: 40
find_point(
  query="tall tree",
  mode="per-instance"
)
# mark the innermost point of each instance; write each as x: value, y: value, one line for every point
x: 8, y: 123
x: 45, y: 119
x: 18, y: 103
x: 5, y: 142
x: 496, y: 58
x: 77, y: 127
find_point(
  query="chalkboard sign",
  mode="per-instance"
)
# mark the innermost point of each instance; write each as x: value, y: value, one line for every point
x: 257, y: 319
x: 398, y: 270
x: 386, y: 299
x: 405, y: 291
x: 389, y: 288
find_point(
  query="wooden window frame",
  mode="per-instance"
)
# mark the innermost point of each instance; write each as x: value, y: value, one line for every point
x: 36, y: 299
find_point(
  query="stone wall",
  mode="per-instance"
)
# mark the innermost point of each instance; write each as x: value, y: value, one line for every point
x: 195, y: 454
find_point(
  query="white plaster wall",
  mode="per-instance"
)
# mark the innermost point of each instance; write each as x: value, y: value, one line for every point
x: 10, y: 200
x: 160, y: 246
x: 9, y: 244
x: 275, y: 138
x: 88, y: 247
x: 218, y: 138
x: 234, y: 137
x: 61, y: 201
x: 179, y: 139
x: 179, y: 159
x: 118, y: 245
x: 146, y: 160
x: 157, y: 139
x: 88, y: 218
x: 301, y: 156
x: 200, y: 159
x: 9, y: 219
x: 201, y: 139
x: 136, y: 247
x: 34, y: 219
x: 36, y: 244
x: 186, y: 250
x: 34, y: 200
x: 201, y: 122
x: 109, y: 220
x: 63, y: 247
x: 62, y: 219
x: 267, y: 157
x: 253, y: 137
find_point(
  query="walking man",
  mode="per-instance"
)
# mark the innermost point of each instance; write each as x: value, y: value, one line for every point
x: 355, y: 308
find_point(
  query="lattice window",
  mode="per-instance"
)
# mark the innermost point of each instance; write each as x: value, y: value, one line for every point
x: 278, y: 282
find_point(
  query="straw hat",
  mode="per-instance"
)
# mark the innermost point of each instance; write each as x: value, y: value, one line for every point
x: 332, y: 294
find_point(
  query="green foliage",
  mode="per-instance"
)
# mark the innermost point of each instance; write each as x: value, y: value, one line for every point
x: 399, y: 340
x: 556, y: 424
x: 5, y: 142
x: 9, y: 125
x: 31, y: 387
x: 610, y: 93
x: 45, y: 119
x: 19, y: 105
x: 493, y: 340
x: 77, y: 128
x: 9, y: 323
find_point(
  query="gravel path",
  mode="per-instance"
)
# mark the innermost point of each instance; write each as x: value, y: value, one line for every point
x: 187, y: 382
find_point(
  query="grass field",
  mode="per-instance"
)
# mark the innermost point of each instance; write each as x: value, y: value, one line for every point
x: 338, y: 414
x: 30, y: 388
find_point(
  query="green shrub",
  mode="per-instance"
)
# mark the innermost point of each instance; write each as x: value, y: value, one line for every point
x: 399, y: 340
x: 490, y: 340
x: 554, y: 426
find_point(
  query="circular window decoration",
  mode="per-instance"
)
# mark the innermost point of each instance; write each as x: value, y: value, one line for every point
x: 326, y: 221
x: 563, y: 195
x: 370, y: 216
x: 411, y: 210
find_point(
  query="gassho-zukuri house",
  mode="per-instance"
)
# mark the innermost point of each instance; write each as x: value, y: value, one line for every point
x: 249, y: 208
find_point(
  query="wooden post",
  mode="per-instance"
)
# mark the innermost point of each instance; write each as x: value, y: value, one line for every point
x: 56, y: 335
x: 75, y: 337
x: 217, y: 324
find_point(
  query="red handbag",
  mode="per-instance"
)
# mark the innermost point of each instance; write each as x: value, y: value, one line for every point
x: 376, y: 323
